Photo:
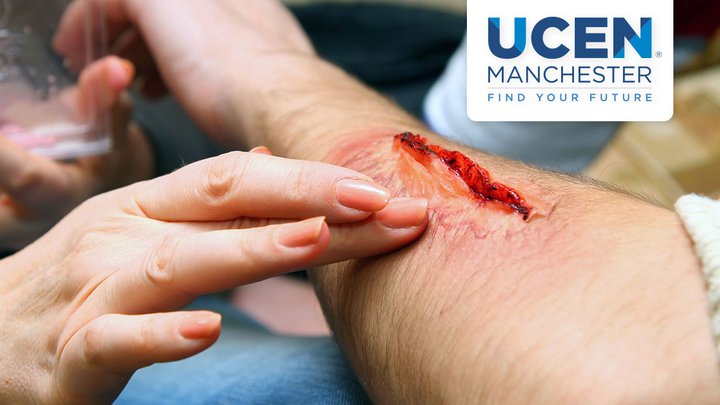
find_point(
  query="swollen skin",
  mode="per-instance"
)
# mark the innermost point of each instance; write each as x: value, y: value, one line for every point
x: 476, y: 180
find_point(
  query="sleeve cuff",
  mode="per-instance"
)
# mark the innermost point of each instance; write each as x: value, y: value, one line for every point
x: 701, y: 216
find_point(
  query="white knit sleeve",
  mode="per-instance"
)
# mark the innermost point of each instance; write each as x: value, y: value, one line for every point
x: 701, y: 216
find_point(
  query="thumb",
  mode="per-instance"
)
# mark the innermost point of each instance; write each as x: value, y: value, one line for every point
x: 101, y: 85
x: 99, y: 359
x: 99, y: 96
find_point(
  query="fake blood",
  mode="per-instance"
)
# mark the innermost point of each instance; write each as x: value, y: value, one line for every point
x: 475, y: 177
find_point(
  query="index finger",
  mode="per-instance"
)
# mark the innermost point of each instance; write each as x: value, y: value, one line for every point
x: 103, y: 20
x: 255, y: 185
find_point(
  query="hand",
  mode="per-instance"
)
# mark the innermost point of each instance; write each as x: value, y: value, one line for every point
x: 36, y: 192
x: 209, y: 54
x: 86, y: 305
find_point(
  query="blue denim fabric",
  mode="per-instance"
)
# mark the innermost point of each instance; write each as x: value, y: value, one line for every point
x: 250, y: 365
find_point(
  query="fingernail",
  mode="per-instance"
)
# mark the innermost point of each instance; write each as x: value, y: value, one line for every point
x: 301, y: 234
x: 129, y: 67
x: 200, y: 326
x: 362, y: 195
x: 263, y: 150
x: 404, y: 213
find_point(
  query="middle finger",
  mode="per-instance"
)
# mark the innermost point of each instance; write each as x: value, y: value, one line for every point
x: 253, y: 185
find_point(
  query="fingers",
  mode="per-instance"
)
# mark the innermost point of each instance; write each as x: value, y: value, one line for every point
x: 259, y: 186
x: 101, y: 85
x: 70, y: 39
x: 30, y: 181
x: 36, y: 183
x: 242, y: 256
x: 102, y: 92
x: 403, y: 221
x: 120, y: 127
x: 99, y: 359
x: 131, y: 46
x: 178, y: 270
x: 118, y: 32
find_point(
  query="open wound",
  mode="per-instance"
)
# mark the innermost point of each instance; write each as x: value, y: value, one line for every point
x: 477, y: 179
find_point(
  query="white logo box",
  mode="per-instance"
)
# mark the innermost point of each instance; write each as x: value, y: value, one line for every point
x: 494, y: 98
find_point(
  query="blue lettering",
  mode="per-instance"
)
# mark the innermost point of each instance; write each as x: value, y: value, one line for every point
x: 538, y: 38
x: 642, y: 43
x: 583, y: 38
x: 518, y: 45
x: 622, y: 33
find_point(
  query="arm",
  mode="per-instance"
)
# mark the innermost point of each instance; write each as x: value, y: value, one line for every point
x: 597, y: 298
x: 86, y: 305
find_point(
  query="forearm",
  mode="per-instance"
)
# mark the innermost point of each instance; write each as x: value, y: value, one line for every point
x: 303, y: 107
x: 598, y: 299
x: 577, y: 297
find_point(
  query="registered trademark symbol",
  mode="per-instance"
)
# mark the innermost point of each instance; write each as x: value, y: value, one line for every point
x: 658, y: 54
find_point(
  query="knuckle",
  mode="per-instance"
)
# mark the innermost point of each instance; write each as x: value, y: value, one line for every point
x: 159, y: 272
x: 221, y: 178
x: 298, y: 184
x: 242, y: 246
x: 92, y: 343
x: 144, y: 340
x: 254, y: 251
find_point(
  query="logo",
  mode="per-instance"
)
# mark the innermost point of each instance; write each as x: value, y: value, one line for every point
x: 570, y: 61
x: 622, y: 33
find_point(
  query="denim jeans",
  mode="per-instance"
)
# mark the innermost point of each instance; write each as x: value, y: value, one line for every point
x: 249, y: 365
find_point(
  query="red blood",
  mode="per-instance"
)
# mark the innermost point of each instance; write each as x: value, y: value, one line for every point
x: 475, y: 177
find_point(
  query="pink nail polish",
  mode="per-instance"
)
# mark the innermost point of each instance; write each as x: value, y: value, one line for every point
x: 404, y: 213
x: 362, y: 195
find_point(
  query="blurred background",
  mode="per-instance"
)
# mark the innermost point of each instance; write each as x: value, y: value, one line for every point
x: 667, y: 160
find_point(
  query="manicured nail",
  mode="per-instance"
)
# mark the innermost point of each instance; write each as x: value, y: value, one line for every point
x: 200, y: 326
x: 262, y: 150
x: 301, y: 234
x: 404, y: 213
x: 362, y: 195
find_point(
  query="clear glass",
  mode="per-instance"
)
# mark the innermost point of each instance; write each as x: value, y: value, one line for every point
x: 36, y: 111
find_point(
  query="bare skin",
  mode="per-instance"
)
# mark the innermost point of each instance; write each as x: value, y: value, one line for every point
x: 89, y: 303
x: 488, y: 298
x: 600, y: 300
x: 571, y: 306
